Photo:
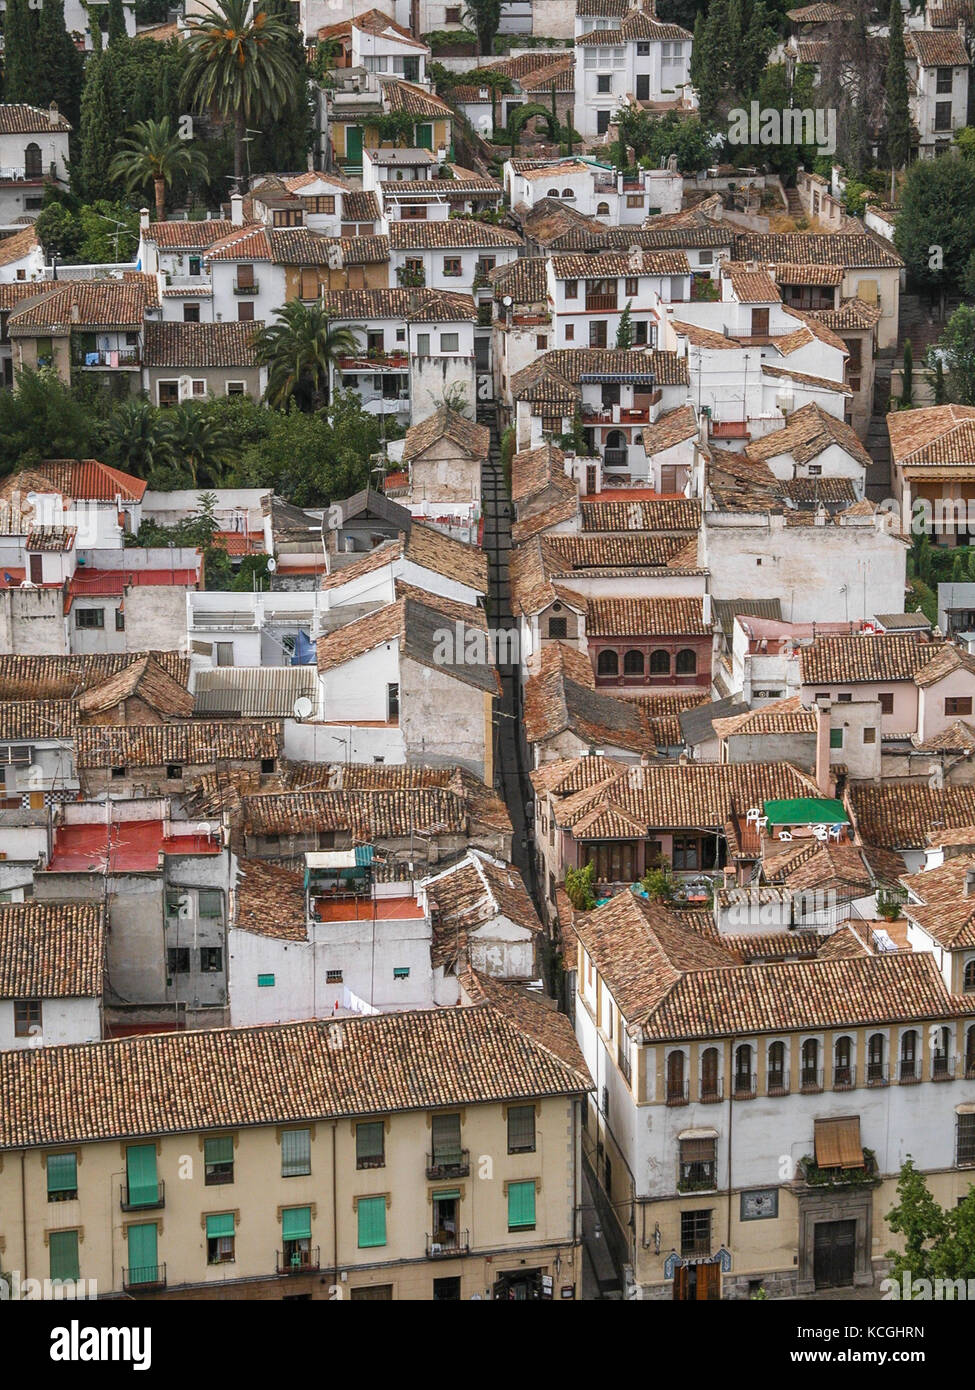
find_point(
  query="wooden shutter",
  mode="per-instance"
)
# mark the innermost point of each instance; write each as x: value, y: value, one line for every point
x: 140, y: 1165
x: 371, y: 1213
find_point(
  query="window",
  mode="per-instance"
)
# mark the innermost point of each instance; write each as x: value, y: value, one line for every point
x: 143, y: 1247
x: 27, y: 1017
x: 295, y: 1153
x: 744, y: 1081
x: 660, y: 663
x: 944, y: 81
x: 965, y: 1141
x: 958, y: 704
x: 371, y: 1220
x: 209, y: 903
x: 452, y: 265
x: 686, y: 663
x: 218, y: 1159
x: 876, y: 1070
x: 370, y: 1141
x: 449, y: 342
x: 333, y: 977
x: 842, y: 1063
x: 62, y: 1177
x: 815, y: 470
x: 401, y: 972
x: 633, y: 663
x: 695, y: 1232
x: 607, y: 664
x: 220, y: 1239
x: 118, y: 772
x: 776, y: 1068
x: 141, y: 1178
x: 698, y: 1164
x: 836, y: 738
x: 174, y: 771
x: 908, y: 1067
x: 321, y: 203
x: 33, y: 161
x: 845, y: 698
x: 541, y: 341
x: 759, y: 323
x: 178, y: 960
x: 969, y: 977
x: 572, y: 289
x: 296, y: 1237
x: 643, y: 49
x: 676, y: 1086
x: 265, y: 981
x: 570, y: 332
x: 809, y: 1072
x: 886, y: 702
x: 63, y: 1246
x: 631, y: 286
x: 452, y: 15
x: 521, y: 1206
x: 235, y: 388
x: 392, y: 702
x: 942, y: 115
x: 521, y: 1129
x: 604, y: 82
x: 446, y: 1141
x: 558, y: 627
x: 191, y: 313
x: 225, y: 653
x: 602, y: 209
x: 870, y: 735
x: 211, y: 960
x: 90, y: 617
x: 709, y: 1074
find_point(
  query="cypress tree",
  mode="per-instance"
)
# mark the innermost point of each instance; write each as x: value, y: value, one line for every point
x: 20, y: 38
x: 59, y: 66
x: 101, y: 125
x: 896, y: 109
x: 116, y: 21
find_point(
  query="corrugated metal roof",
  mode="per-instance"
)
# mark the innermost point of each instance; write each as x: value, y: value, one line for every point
x: 254, y: 692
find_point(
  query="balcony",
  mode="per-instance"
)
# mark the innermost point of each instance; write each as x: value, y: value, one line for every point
x: 106, y: 357
x: 143, y: 1278
x: 449, y: 1164
x: 777, y: 1084
x: 601, y: 303
x: 810, y: 1081
x: 678, y: 1094
x: 448, y: 1245
x: 252, y: 288
x: 16, y: 173
x: 728, y: 429
x: 844, y: 1078
x: 614, y: 458
x: 878, y: 1074
x: 745, y: 1087
x: 909, y: 1072
x: 298, y: 1261
x: 698, y: 1177
x: 943, y: 1068
x: 710, y: 1095
x: 144, y: 1203
x: 375, y: 362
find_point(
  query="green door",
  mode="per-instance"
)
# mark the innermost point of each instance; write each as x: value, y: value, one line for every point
x: 140, y: 1165
x: 353, y: 146
x: 424, y: 137
x: 143, y: 1255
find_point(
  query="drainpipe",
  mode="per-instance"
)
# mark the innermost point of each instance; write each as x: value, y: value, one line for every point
x: 335, y: 1207
x: 731, y: 1112
x: 23, y: 1210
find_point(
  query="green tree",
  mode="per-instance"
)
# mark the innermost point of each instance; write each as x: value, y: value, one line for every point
x: 624, y: 333
x: 59, y: 66
x: 20, y: 53
x: 655, y: 138
x: 59, y: 231
x: 920, y: 1220
x: 485, y: 16
x: 896, y: 109
x: 116, y: 22
x: 939, y: 385
x: 579, y: 887
x: 40, y: 419
x: 286, y: 141
x: 298, y: 351
x: 153, y: 153
x: 710, y: 59
x: 136, y: 439
x: 956, y: 348
x: 202, y: 443
x: 659, y: 884
x: 935, y: 231
x: 101, y: 119
x: 240, y: 64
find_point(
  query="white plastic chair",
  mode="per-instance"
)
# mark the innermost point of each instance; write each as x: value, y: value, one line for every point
x: 835, y: 831
x: 821, y: 832
x: 762, y: 822
x: 752, y: 814
x: 785, y: 835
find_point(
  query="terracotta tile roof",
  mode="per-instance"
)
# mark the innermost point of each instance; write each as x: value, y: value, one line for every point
x: 155, y: 745
x: 947, y: 14
x: 248, y: 243
x: 806, y: 274
x: 631, y: 617
x: 811, y: 52
x: 805, y: 379
x: 936, y: 49
x: 806, y: 434
x: 947, y: 910
x: 301, y: 246
x: 751, y: 285
x: 532, y: 588
x: 616, y: 263
x: 636, y: 25
x: 533, y: 470
x: 832, y: 867
x: 189, y: 345
x: 889, y: 656
x: 79, y: 304
x: 558, y: 372
x: 14, y: 248
x: 13, y: 292
x: 654, y: 514
x: 815, y: 326
x: 805, y: 491
x: 367, y: 815
x: 359, y: 205
x: 943, y: 661
x: 934, y: 434
x: 902, y: 817
x: 145, y: 678
x: 403, y: 96
x: 271, y: 901
x: 434, y: 550
x: 526, y: 1009
x: 561, y: 698
x: 853, y: 250
x: 561, y: 73
x: 51, y: 950
x: 959, y: 737
x: 564, y: 776
x: 704, y: 337
x: 672, y: 428
x: 189, y: 236
x: 37, y: 720
x: 175, y: 1083
x: 444, y: 423
x: 601, y: 552
x: 455, y: 232
x: 780, y: 717
x: 374, y: 559
x: 26, y: 678
x: 17, y: 118
x: 586, y: 234
x: 413, y: 306
x: 554, y: 170
x: 435, y: 189
x: 361, y: 636
x: 84, y: 480
x: 566, y: 509
x: 476, y: 890
x: 853, y: 314
x: 820, y: 13
x: 602, y: 9
x: 50, y: 539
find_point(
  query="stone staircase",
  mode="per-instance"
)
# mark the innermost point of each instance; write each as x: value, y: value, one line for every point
x: 794, y: 202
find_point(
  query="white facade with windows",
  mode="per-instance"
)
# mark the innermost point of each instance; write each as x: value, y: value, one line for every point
x: 638, y: 58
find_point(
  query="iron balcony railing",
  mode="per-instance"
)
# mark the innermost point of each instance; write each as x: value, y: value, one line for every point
x: 144, y: 1277
x: 448, y: 1244
x: 151, y: 1202
x: 449, y: 1163
x: 298, y: 1261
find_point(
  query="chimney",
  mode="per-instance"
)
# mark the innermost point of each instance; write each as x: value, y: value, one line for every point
x: 53, y: 113
x: 237, y: 209
x: 143, y: 219
x: 823, y: 780
x: 970, y: 883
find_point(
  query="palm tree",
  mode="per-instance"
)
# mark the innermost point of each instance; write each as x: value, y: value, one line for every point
x: 203, y: 445
x: 155, y: 154
x: 299, y: 351
x: 243, y: 67
x: 136, y: 438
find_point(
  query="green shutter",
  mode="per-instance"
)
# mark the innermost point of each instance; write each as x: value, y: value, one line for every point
x: 353, y: 145
x: 521, y: 1205
x: 140, y: 1163
x: 372, y: 1221
x: 143, y: 1255
x: 296, y: 1223
x: 62, y: 1173
x: 424, y: 137
x: 452, y: 1194
x: 295, y: 1152
x: 218, y: 1150
x: 265, y: 981
x: 220, y: 1226
x: 369, y: 1139
x: 64, y: 1254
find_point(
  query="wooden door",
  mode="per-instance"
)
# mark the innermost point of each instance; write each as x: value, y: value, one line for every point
x: 668, y: 477
x: 834, y: 1253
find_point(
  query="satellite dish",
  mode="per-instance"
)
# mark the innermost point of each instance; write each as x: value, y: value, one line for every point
x: 272, y: 565
x: 302, y: 707
x: 507, y: 301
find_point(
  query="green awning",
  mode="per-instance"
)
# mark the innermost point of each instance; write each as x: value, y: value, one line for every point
x: 452, y: 1195
x: 222, y: 1225
x: 296, y: 1223
x: 806, y: 810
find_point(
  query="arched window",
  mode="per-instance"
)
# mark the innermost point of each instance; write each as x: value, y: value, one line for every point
x: 809, y: 1078
x: 876, y: 1050
x: 607, y: 664
x: 633, y: 663
x: 940, y: 1060
x: 970, y: 1052
x: 842, y: 1064
x: 969, y: 978
x: 552, y: 193
x: 675, y: 1077
x: 743, y: 1069
x: 32, y: 161
x: 686, y: 664
x: 660, y: 663
x: 776, y: 1068
x: 709, y: 1073
x: 567, y: 193
x: 602, y: 209
x: 909, y: 1056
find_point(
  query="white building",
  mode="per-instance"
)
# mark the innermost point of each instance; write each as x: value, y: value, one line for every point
x: 33, y: 153
x: 594, y: 189
x: 636, y: 59
x: 591, y: 293
x: 938, y: 65
x: 51, y: 979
